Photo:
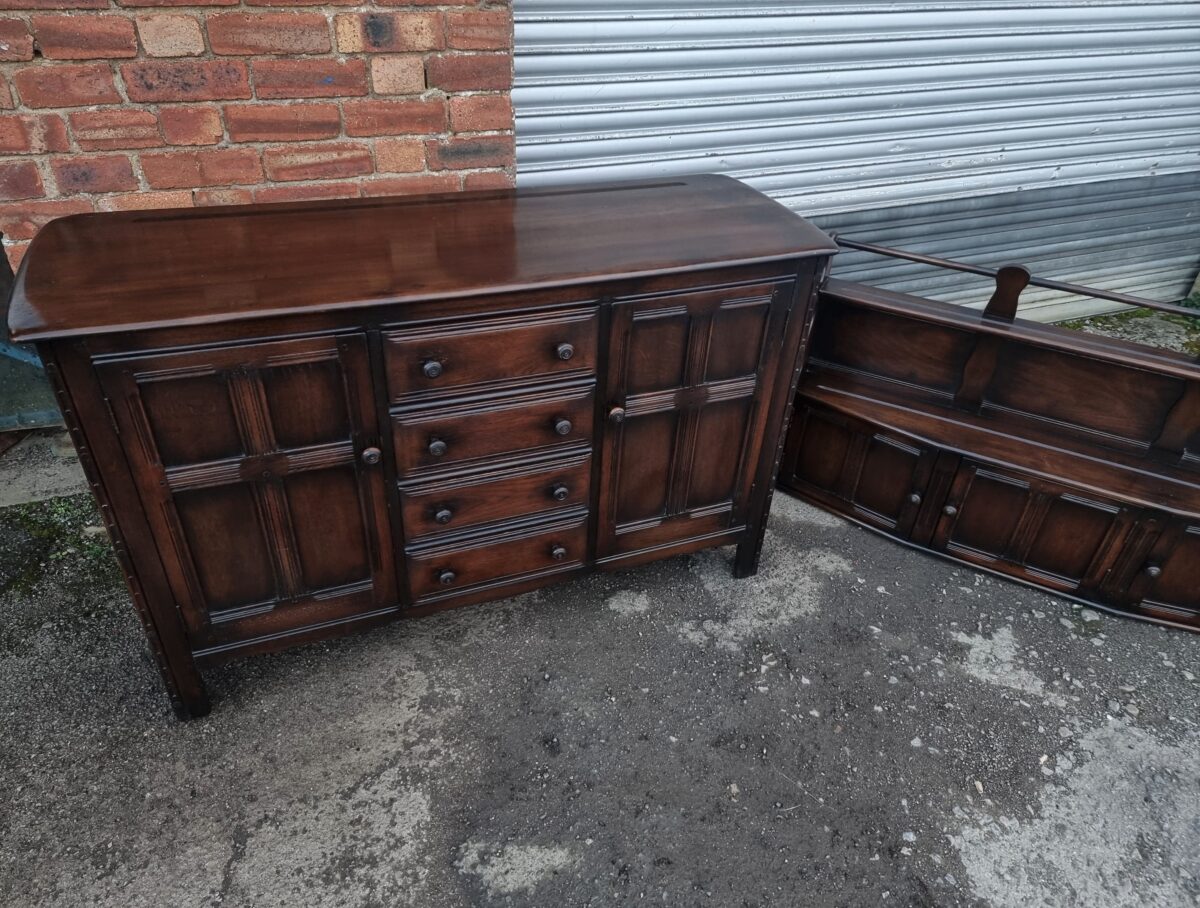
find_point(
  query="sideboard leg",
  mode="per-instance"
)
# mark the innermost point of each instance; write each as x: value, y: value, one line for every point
x: 749, y: 550
x: 192, y: 704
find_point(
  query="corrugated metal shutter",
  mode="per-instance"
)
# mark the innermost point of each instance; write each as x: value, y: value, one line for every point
x: 908, y: 111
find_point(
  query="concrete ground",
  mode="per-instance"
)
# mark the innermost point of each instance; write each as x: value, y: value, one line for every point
x: 857, y: 725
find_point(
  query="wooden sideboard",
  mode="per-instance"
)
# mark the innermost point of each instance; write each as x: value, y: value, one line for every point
x: 303, y: 419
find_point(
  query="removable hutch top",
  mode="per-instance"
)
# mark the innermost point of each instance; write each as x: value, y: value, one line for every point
x: 304, y: 418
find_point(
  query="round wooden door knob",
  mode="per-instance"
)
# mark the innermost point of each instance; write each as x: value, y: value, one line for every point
x: 564, y: 351
x: 438, y: 448
x: 443, y: 515
x: 558, y: 552
x: 431, y: 369
x: 371, y: 456
x: 616, y: 414
x: 949, y: 510
x: 1153, y: 571
x: 445, y: 578
x: 562, y: 426
x: 915, y: 498
x: 560, y: 492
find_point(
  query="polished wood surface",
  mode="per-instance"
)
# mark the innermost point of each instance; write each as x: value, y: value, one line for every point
x: 1068, y: 461
x: 279, y: 462
x: 94, y: 273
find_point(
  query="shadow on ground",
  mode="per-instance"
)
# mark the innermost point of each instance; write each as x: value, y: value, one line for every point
x: 857, y: 725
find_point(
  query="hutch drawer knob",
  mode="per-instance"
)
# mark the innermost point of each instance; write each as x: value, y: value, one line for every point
x: 915, y: 498
x: 949, y: 510
x: 564, y: 351
x: 558, y: 552
x: 1153, y: 571
x: 370, y: 456
x: 560, y: 492
x: 437, y: 448
x: 432, y: 368
x: 562, y: 426
x: 616, y: 414
x: 445, y: 578
x: 443, y: 515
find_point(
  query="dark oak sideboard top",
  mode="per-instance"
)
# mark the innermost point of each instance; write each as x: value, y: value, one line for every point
x: 96, y: 273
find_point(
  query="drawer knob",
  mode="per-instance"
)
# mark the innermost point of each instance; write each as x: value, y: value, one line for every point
x: 560, y: 492
x: 616, y: 414
x: 443, y: 515
x: 370, y: 456
x: 558, y: 552
x: 1153, y: 571
x: 437, y: 448
x: 564, y: 351
x: 914, y: 498
x: 949, y: 510
x: 562, y: 426
x: 445, y: 578
x: 431, y: 368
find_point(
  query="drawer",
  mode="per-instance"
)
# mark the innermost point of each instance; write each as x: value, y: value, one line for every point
x: 483, y: 427
x: 447, y: 569
x: 484, y: 350
x: 497, y: 494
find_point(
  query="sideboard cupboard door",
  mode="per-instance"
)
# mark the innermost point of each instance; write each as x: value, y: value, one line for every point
x: 1166, y: 583
x: 687, y: 375
x: 259, y: 467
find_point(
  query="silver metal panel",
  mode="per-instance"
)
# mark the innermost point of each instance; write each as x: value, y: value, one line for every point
x: 909, y: 110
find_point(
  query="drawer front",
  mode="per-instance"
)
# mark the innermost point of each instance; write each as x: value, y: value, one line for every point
x: 446, y: 570
x: 432, y: 436
x: 433, y: 358
x: 445, y: 507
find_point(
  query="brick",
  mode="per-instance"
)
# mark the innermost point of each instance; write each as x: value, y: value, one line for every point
x: 488, y: 179
x: 317, y: 162
x: 306, y: 192
x: 275, y: 79
x: 425, y: 2
x: 479, y: 29
x: 15, y: 252
x: 68, y: 85
x: 469, y: 72
x: 170, y: 35
x: 411, y: 184
x: 110, y: 173
x: 84, y: 37
x: 469, y: 153
x: 398, y: 75
x: 359, y: 32
x: 186, y: 80
x: 144, y: 201
x: 103, y: 130
x: 20, y: 180
x: 13, y: 5
x: 191, y: 125
x: 226, y: 196
x: 32, y: 133
x: 399, y: 155
x: 481, y: 113
x: 15, y: 41
x: 390, y: 118
x: 292, y: 3
x: 282, y: 122
x: 141, y: 3
x: 268, y: 33
x: 211, y: 167
x: 21, y: 220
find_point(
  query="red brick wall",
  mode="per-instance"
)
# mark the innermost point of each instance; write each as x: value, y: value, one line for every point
x: 118, y: 104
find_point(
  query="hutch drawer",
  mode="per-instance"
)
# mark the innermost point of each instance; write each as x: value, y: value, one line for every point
x: 433, y: 422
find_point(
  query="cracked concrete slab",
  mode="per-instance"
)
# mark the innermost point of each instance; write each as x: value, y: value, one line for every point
x: 858, y: 725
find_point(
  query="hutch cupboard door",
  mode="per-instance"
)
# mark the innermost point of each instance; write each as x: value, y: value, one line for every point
x: 687, y: 379
x: 259, y: 469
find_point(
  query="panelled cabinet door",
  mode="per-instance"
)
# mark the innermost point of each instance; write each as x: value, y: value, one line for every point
x: 883, y: 477
x: 1166, y: 583
x: 685, y: 412
x: 1031, y: 528
x: 259, y: 468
